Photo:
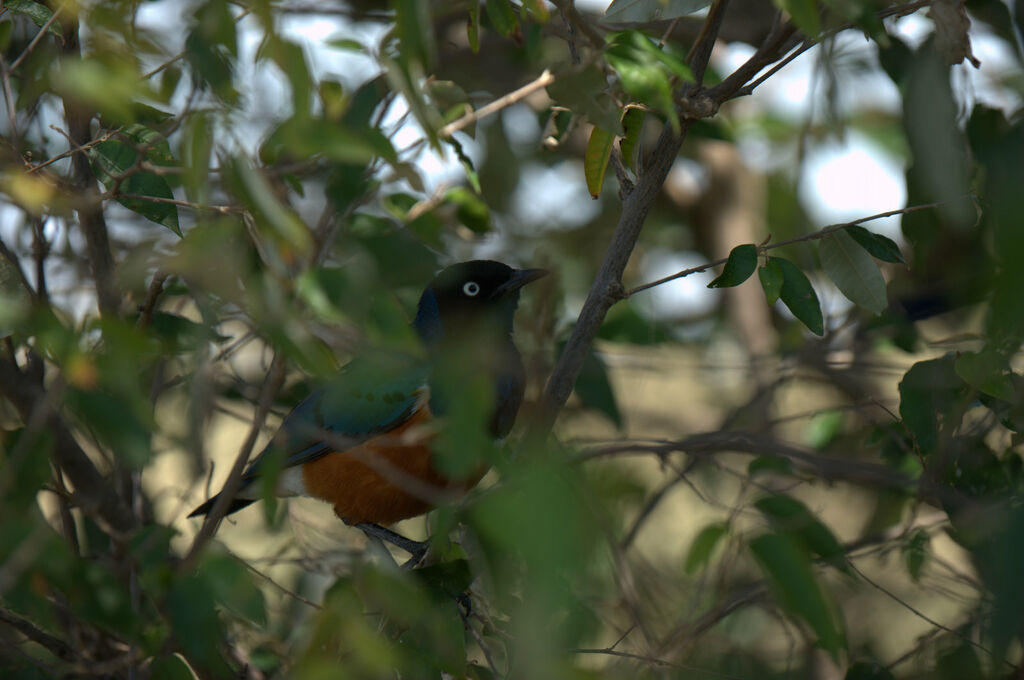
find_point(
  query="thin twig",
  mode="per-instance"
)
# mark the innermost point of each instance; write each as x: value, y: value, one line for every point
x: 820, y: 234
x: 275, y: 378
x: 542, y: 81
x: 35, y: 39
x: 922, y: 615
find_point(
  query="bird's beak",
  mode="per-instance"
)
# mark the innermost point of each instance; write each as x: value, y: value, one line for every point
x: 519, y: 278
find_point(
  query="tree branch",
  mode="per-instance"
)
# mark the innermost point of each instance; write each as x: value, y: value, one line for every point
x: 92, y: 492
x: 275, y: 378
x: 56, y: 646
x: 820, y: 234
x: 607, y: 287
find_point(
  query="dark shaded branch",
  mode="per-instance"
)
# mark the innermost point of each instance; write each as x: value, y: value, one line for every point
x: 607, y: 287
x: 56, y: 646
x: 93, y: 494
x: 90, y: 214
x: 275, y: 378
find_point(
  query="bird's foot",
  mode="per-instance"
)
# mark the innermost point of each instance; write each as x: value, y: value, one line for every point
x: 417, y: 549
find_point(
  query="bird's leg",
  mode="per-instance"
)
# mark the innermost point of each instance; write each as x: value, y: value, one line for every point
x: 416, y: 549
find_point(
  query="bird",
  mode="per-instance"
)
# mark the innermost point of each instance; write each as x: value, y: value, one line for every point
x: 362, y: 441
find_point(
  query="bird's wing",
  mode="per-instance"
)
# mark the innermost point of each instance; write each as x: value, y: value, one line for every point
x: 373, y: 393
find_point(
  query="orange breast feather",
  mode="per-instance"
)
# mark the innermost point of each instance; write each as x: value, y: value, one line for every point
x: 385, y: 479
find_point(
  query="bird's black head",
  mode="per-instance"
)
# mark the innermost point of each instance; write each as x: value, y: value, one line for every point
x: 471, y: 297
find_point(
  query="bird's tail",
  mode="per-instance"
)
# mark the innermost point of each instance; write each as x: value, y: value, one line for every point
x: 236, y: 505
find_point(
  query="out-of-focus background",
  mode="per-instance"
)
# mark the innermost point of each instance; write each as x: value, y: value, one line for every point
x: 809, y: 468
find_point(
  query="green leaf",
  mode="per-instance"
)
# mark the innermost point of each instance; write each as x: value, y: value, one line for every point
x: 916, y: 551
x: 195, y: 624
x: 112, y: 158
x: 704, y: 544
x: 868, y: 670
x: 632, y: 124
x: 445, y: 580
x: 595, y: 389
x: 415, y: 30
x: 291, y: 234
x: 792, y: 517
x: 15, y: 300
x: 469, y: 209
x: 473, y: 26
x: 987, y: 371
x: 824, y: 427
x: 804, y: 14
x: 595, y: 159
x: 853, y: 271
x: 212, y: 66
x: 501, y: 16
x: 115, y: 422
x: 170, y: 667
x: 642, y: 11
x: 771, y: 277
x: 770, y: 464
x: 538, y: 10
x: 882, y: 247
x: 38, y: 13
x: 929, y: 394
x: 232, y: 586
x: 647, y: 71
x: 741, y: 264
x: 585, y: 91
x: 197, y: 145
x: 788, y: 568
x: 799, y: 296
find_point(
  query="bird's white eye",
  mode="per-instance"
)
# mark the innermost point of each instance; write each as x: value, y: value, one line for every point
x: 471, y: 288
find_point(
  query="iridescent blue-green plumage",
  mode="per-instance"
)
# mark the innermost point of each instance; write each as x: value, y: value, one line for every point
x: 464, y: 322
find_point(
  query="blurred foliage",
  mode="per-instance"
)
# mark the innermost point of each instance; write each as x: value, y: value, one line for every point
x: 242, y: 195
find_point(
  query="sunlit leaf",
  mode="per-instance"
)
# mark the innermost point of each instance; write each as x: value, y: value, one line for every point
x: 632, y: 124
x: 741, y: 264
x: 853, y: 271
x: 595, y: 159
x: 469, y: 209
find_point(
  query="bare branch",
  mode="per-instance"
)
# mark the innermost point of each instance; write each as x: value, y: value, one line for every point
x: 275, y: 378
x: 607, y: 287
x: 58, y: 647
x: 92, y: 493
x: 38, y: 36
x: 90, y: 216
x: 542, y: 81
